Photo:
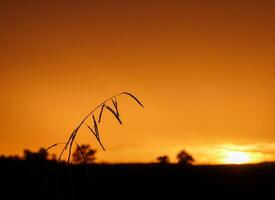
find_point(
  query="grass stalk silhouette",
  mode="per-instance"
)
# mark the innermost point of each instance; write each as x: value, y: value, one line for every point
x: 105, y: 105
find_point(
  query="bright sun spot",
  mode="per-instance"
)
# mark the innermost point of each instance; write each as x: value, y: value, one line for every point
x: 236, y: 157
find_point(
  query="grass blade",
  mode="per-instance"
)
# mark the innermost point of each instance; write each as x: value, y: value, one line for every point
x: 101, y: 112
x: 114, y: 113
x: 136, y: 99
x: 54, y: 145
x: 96, y: 127
x: 79, y: 149
x: 91, y: 130
x: 66, y: 145
x: 99, y: 141
x: 116, y: 106
x: 97, y: 137
x: 71, y: 144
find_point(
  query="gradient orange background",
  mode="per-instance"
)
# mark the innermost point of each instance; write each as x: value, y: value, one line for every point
x: 203, y: 69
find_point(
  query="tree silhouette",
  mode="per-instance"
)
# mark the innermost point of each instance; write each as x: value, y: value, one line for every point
x: 163, y: 159
x: 84, y: 153
x: 185, y: 158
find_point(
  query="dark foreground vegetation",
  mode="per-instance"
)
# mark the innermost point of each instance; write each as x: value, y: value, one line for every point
x: 40, y: 179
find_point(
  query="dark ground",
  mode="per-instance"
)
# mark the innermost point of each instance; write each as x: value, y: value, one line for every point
x: 47, y: 180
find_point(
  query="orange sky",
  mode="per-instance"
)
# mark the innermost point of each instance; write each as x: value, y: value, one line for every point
x: 203, y: 69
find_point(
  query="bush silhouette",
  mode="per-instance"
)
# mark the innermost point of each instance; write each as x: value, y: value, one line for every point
x: 163, y: 159
x: 185, y: 158
x: 41, y: 155
x: 84, y: 154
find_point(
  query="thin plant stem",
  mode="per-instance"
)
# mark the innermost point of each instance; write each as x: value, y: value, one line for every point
x: 72, y: 137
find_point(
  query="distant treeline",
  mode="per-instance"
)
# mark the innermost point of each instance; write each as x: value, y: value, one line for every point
x: 85, y: 154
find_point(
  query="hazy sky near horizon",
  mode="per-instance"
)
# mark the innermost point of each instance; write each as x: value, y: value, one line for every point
x: 203, y: 69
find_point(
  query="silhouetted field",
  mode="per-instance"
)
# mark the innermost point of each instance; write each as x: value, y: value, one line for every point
x: 49, y: 180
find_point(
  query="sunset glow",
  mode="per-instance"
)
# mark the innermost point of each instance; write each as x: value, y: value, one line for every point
x: 237, y: 157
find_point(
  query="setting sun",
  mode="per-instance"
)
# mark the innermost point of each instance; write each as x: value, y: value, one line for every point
x: 237, y: 157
